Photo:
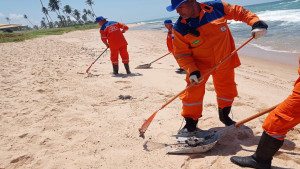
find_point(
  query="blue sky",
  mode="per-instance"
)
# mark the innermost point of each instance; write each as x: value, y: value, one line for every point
x: 126, y: 11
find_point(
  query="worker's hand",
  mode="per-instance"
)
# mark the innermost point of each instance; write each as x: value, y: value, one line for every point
x: 259, y: 29
x: 194, y: 76
x: 123, y: 31
x: 107, y: 45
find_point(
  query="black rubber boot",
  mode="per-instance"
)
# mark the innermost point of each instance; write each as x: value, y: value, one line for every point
x: 224, y: 116
x: 191, y: 124
x: 126, y: 65
x: 263, y: 156
x: 116, y: 69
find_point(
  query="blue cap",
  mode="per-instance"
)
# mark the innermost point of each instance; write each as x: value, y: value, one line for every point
x: 99, y: 18
x: 175, y: 4
x: 168, y: 21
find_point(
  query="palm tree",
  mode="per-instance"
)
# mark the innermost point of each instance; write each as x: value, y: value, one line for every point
x: 88, y: 13
x: 8, y: 20
x: 45, y: 11
x: 68, y: 10
x: 43, y: 24
x: 36, y: 27
x: 25, y: 16
x: 91, y: 3
x: 84, y: 17
x: 54, y: 6
x: 77, y: 14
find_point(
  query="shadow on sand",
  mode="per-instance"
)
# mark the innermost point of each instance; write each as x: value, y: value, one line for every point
x: 127, y: 75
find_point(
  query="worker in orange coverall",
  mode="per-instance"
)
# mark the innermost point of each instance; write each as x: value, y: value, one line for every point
x: 277, y: 124
x: 112, y: 36
x: 201, y: 40
x: 169, y: 25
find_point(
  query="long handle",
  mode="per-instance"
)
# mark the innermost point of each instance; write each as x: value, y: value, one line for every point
x: 255, y: 116
x: 149, y: 120
x: 223, y: 60
x: 146, y: 124
x: 95, y: 60
x: 160, y: 57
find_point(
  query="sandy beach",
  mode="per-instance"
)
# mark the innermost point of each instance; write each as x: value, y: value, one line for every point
x: 54, y: 115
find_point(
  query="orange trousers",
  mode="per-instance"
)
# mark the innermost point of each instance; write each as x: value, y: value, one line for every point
x: 192, y: 99
x: 285, y: 116
x: 114, y: 55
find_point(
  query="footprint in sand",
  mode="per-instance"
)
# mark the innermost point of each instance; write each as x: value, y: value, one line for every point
x: 126, y: 87
x: 23, y: 135
x: 21, y: 158
x: 40, y: 90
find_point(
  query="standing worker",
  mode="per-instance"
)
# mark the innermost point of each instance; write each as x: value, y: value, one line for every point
x: 277, y: 124
x: 169, y: 25
x: 112, y: 36
x: 201, y: 40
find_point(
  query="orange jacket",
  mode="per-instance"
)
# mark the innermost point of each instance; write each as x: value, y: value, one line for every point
x: 215, y: 41
x: 170, y: 38
x: 297, y: 87
x: 111, y: 31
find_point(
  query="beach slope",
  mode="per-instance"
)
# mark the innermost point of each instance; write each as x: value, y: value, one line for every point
x: 54, y: 115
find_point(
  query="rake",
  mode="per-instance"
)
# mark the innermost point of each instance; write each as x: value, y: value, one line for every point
x: 146, y: 124
x: 87, y: 71
x: 148, y: 65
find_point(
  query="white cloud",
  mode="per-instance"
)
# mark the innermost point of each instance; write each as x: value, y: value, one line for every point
x: 19, y: 19
x: 1, y: 15
x: 15, y: 16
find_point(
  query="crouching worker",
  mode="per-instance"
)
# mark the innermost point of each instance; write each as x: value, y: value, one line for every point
x: 277, y: 124
x: 112, y: 36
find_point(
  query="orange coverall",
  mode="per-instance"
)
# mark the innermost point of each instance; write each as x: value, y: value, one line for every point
x: 286, y: 115
x: 170, y: 38
x: 111, y: 32
x: 202, y: 52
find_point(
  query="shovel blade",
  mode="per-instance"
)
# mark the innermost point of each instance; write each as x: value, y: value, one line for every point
x: 144, y: 66
x: 208, y: 140
x: 186, y: 149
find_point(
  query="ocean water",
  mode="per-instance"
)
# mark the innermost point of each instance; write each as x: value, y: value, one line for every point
x: 282, y: 42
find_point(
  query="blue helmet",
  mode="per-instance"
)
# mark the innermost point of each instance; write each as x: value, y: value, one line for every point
x: 99, y: 18
x: 168, y: 21
x: 174, y: 5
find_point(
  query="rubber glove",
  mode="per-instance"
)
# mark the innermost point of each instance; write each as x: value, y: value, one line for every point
x: 194, y: 76
x: 259, y: 29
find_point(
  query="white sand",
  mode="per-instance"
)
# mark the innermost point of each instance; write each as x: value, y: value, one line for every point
x: 52, y: 115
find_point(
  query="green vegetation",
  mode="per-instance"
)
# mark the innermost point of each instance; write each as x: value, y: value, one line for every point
x: 17, y: 36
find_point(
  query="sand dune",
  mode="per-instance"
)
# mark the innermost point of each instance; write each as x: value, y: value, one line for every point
x: 53, y: 115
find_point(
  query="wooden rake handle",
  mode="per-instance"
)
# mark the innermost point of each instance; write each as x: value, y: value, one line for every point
x: 255, y: 116
x: 146, y: 124
x: 160, y: 57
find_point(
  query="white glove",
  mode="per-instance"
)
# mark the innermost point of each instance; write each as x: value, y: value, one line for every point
x: 193, y: 78
x: 258, y: 32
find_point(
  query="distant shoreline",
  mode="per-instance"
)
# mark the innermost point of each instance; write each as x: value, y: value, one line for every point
x: 278, y: 57
x: 249, y: 50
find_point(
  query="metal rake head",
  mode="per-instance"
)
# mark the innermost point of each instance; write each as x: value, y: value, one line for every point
x: 144, y: 66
